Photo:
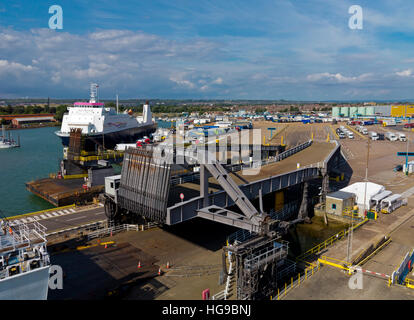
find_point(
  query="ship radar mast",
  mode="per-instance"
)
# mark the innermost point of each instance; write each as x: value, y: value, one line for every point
x: 94, y: 93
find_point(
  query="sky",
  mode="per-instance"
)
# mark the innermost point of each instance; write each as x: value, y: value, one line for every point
x: 208, y: 49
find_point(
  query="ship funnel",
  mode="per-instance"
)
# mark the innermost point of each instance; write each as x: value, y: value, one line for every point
x: 94, y: 93
x: 146, y: 113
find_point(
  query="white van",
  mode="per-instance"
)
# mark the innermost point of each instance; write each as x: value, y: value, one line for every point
x: 350, y: 135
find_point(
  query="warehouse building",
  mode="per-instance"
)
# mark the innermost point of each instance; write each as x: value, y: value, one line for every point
x: 21, y: 120
x: 362, y: 111
x: 402, y: 111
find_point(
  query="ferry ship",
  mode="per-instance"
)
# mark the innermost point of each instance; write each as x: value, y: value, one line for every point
x: 24, y: 262
x: 103, y: 126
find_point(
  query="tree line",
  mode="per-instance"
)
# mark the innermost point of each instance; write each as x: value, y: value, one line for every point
x: 57, y: 111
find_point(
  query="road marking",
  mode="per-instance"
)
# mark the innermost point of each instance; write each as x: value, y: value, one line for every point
x: 55, y: 214
x: 23, y: 220
x: 30, y: 219
x: 61, y: 212
x: 36, y: 218
x: 98, y: 213
x: 49, y: 215
x: 76, y: 218
x: 72, y: 210
x: 43, y: 216
x: 66, y: 211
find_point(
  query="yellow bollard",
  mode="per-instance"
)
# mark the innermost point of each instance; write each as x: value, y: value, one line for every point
x: 312, y: 270
x: 299, y: 279
x: 312, y: 136
x: 285, y: 288
x: 291, y: 283
x: 327, y: 138
x: 271, y: 298
x: 277, y: 293
x: 281, y: 141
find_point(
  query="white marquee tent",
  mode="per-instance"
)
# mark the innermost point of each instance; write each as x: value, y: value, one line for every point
x: 358, y: 189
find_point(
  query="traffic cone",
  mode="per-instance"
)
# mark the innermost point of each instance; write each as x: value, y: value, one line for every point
x: 168, y: 265
x: 106, y: 246
x: 139, y: 265
x: 159, y: 271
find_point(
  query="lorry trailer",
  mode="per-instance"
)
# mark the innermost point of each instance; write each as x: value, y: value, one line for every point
x: 390, y: 136
x: 402, y: 137
x: 373, y: 135
x: 392, y: 203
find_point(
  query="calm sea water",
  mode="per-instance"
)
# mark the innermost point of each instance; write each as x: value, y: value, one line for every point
x: 39, y: 155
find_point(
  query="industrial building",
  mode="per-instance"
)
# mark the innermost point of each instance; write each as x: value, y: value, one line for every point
x: 19, y: 120
x: 361, y: 111
x: 402, y: 111
x: 339, y: 201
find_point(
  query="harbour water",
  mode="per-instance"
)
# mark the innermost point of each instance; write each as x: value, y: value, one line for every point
x: 38, y: 156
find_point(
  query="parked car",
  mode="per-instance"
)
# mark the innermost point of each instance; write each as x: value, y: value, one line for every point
x: 398, y: 167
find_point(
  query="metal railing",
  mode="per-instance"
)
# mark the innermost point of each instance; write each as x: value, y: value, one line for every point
x: 286, y: 212
x: 286, y: 270
x: 22, y: 236
x: 104, y: 232
x: 266, y: 255
x: 296, y: 281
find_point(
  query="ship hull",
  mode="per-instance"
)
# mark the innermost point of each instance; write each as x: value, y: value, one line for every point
x: 111, y: 139
x: 32, y: 285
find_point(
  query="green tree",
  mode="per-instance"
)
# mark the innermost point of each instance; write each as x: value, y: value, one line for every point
x: 60, y: 111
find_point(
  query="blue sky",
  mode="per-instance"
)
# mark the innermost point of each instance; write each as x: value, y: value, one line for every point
x: 280, y: 49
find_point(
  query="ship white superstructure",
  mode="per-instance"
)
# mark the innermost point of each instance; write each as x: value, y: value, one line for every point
x: 24, y: 262
x: 94, y: 119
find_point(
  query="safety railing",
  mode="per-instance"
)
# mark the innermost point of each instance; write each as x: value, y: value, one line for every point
x: 409, y: 283
x: 284, y: 271
x: 119, y: 228
x: 344, y: 265
x: 266, y: 255
x: 295, y: 282
x: 284, y: 213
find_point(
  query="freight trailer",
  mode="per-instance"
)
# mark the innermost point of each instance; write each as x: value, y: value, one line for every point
x: 390, y: 136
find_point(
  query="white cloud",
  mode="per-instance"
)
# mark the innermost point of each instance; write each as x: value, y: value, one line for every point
x: 218, y: 81
x: 404, y: 73
x: 337, y: 77
x: 7, y: 66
